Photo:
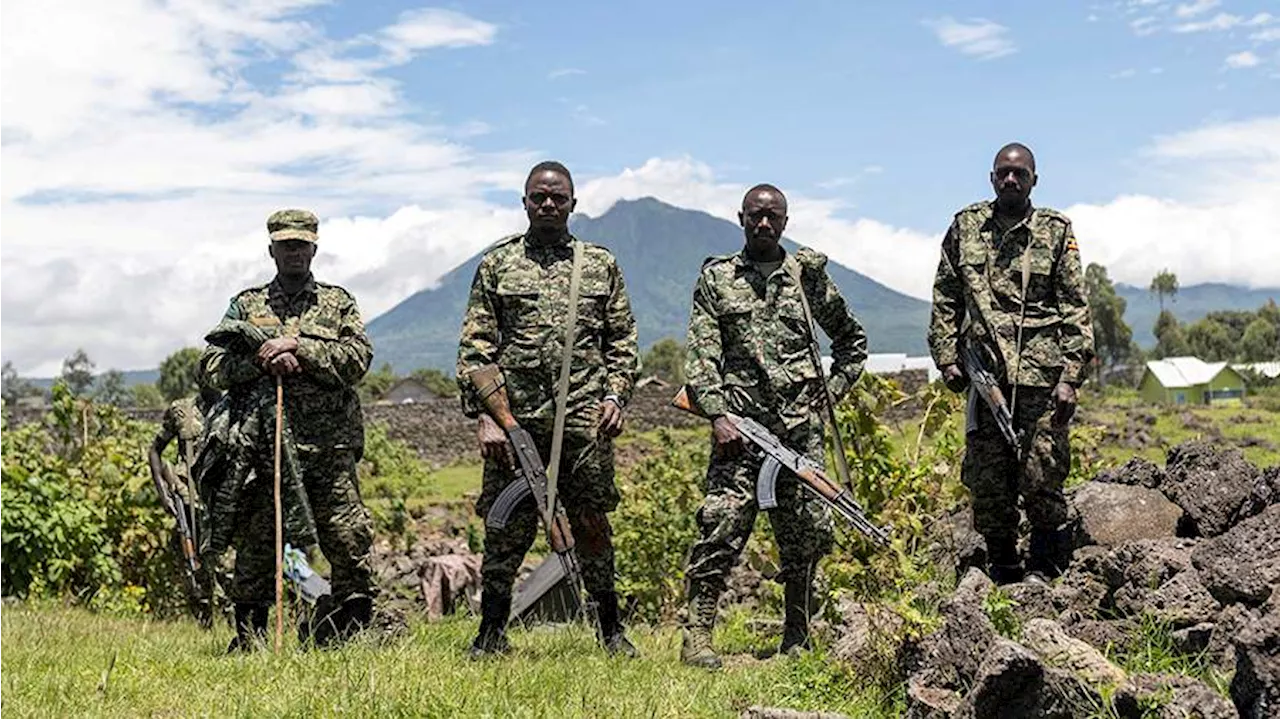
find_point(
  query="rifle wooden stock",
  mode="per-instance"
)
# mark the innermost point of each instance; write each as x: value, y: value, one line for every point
x: 561, y: 536
x: 684, y: 402
x: 819, y: 483
x: 492, y: 391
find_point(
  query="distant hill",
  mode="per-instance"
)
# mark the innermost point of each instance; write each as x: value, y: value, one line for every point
x: 660, y: 249
x: 1190, y: 304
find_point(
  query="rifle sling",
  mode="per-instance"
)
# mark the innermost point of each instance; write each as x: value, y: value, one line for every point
x: 842, y: 468
x: 562, y: 387
x: 1022, y: 320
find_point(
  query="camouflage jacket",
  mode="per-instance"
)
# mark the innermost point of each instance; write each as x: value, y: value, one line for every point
x: 516, y: 316
x: 333, y: 349
x: 748, y: 343
x: 977, y: 293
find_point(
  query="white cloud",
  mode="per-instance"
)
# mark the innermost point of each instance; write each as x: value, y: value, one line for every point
x: 1196, y: 7
x: 1221, y: 21
x: 1242, y: 60
x: 978, y: 37
x: 1268, y: 35
x: 1144, y: 26
x: 1124, y: 74
x: 564, y: 72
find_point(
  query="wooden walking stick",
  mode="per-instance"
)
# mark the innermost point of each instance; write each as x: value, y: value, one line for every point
x: 279, y: 517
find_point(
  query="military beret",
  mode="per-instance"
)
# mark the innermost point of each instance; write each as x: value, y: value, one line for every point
x: 293, y: 225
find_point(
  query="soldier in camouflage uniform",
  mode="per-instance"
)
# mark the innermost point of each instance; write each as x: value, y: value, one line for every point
x: 317, y: 343
x: 515, y: 318
x: 183, y: 421
x: 978, y: 297
x: 748, y: 353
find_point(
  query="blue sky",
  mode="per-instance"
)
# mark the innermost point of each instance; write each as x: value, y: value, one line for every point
x: 144, y: 142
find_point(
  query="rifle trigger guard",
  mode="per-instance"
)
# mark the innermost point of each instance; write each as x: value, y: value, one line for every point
x: 506, y: 503
x: 767, y: 484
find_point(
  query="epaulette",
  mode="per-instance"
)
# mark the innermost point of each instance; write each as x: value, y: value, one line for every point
x: 256, y: 288
x: 716, y: 259
x: 1052, y: 214
x: 507, y: 240
x: 331, y: 286
x: 982, y: 206
x: 809, y: 257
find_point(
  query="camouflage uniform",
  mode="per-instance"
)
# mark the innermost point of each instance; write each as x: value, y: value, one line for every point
x: 325, y: 431
x: 183, y: 420
x: 748, y: 353
x: 977, y: 297
x: 515, y: 318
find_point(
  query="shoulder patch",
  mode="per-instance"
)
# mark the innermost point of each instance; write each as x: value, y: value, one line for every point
x: 1072, y: 246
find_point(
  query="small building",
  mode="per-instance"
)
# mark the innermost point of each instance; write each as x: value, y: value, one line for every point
x: 408, y: 391
x: 1270, y: 370
x: 1190, y: 380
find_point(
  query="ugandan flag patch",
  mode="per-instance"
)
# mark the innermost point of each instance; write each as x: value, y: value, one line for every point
x: 1071, y: 243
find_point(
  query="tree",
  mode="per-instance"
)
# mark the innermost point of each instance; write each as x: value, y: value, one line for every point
x: 146, y: 396
x: 77, y: 372
x: 1261, y: 341
x: 178, y: 374
x: 12, y: 386
x: 666, y: 360
x: 1210, y: 340
x: 436, y: 381
x: 1112, y: 337
x: 1164, y: 284
x: 111, y: 389
x: 1171, y: 341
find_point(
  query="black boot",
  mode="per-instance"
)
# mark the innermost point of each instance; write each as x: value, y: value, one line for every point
x: 492, y: 637
x: 1048, y: 554
x: 251, y: 627
x: 1003, y: 564
x: 612, y: 635
x: 798, y: 607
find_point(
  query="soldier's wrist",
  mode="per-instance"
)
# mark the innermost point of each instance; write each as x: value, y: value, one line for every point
x: 616, y: 400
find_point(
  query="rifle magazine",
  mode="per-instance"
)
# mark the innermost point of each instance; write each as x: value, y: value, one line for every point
x: 767, y: 483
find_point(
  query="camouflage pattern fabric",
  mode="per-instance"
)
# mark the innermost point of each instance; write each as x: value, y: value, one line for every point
x: 748, y: 353
x: 977, y: 296
x: 515, y: 317
x: 324, y: 435
x: 587, y: 491
x: 293, y: 225
x: 748, y: 345
x: 801, y: 523
x: 995, y: 480
x: 343, y: 525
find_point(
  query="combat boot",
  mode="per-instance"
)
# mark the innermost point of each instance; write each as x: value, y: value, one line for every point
x: 798, y: 607
x: 1003, y: 564
x: 612, y: 635
x: 696, y: 649
x: 251, y: 627
x: 492, y: 637
x: 1048, y: 554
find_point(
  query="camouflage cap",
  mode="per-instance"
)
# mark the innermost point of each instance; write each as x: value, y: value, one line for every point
x: 293, y: 225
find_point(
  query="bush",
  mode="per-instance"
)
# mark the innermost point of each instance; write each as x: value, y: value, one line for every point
x: 81, y: 518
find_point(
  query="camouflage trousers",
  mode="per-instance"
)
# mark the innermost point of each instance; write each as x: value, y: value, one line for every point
x: 801, y: 523
x: 587, y: 492
x: 995, y: 480
x: 343, y: 525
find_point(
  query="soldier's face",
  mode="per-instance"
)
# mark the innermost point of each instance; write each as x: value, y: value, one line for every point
x: 293, y: 257
x: 1012, y: 178
x: 763, y: 218
x: 548, y: 201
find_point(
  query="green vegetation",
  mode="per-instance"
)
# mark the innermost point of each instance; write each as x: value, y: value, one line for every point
x: 69, y: 662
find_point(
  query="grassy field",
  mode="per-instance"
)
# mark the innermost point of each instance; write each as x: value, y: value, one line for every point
x: 69, y: 662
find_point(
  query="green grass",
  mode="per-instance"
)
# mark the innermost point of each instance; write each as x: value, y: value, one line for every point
x: 456, y: 481
x: 56, y: 660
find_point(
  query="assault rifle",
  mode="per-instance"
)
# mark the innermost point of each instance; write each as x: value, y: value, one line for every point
x: 531, y: 477
x: 181, y: 512
x: 989, y: 390
x: 812, y: 476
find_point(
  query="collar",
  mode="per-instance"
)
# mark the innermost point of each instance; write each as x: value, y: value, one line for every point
x: 790, y: 266
x: 275, y: 289
x: 560, y: 240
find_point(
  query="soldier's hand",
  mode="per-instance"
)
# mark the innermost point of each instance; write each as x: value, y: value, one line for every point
x: 283, y: 364
x: 493, y: 441
x: 953, y: 377
x: 610, y: 419
x: 1064, y: 400
x: 163, y: 481
x: 276, y: 346
x: 728, y: 439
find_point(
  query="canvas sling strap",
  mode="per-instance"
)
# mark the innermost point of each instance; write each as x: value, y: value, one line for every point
x: 842, y: 467
x: 562, y: 387
x: 1022, y: 321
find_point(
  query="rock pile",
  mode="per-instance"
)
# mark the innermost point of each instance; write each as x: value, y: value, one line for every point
x: 1194, y: 545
